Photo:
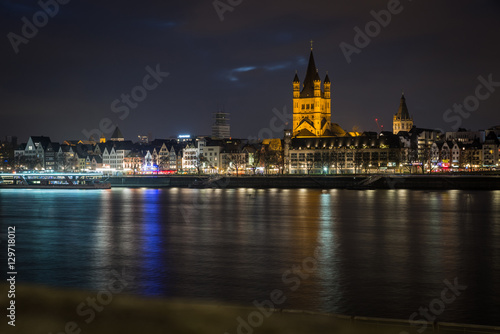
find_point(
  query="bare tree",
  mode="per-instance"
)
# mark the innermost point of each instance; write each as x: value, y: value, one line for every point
x: 309, y: 165
x: 424, y: 157
x: 164, y: 162
x: 254, y: 163
x: 341, y: 160
x: 358, y: 159
x: 199, y: 162
x: 269, y: 157
x: 6, y: 156
x: 325, y: 162
x: 405, y: 156
x: 468, y: 157
x: 334, y: 160
x: 238, y: 161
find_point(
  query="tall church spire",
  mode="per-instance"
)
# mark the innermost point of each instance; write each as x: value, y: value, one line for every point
x: 403, y: 109
x: 311, y: 73
x: 117, y: 135
x: 402, y: 120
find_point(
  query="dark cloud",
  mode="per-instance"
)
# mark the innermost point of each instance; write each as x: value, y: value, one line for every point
x: 65, y: 79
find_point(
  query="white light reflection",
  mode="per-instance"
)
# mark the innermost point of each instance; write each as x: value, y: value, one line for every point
x: 327, y: 239
x: 434, y: 216
x: 103, y: 237
x: 435, y: 204
x: 126, y: 235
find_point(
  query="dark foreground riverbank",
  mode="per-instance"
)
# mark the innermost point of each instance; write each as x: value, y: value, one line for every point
x: 421, y: 182
x: 49, y: 310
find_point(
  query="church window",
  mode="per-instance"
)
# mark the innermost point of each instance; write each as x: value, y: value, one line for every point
x: 303, y: 106
x: 307, y: 106
x: 312, y: 106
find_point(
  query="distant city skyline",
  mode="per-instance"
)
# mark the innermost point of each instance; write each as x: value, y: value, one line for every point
x: 165, y: 69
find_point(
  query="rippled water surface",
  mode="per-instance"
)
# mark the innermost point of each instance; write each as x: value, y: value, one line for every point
x: 382, y: 253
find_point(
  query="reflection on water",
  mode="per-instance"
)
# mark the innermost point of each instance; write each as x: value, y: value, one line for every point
x: 383, y: 252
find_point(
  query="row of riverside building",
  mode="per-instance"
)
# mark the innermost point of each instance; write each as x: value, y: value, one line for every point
x: 120, y: 156
x: 417, y: 150
x: 314, y: 145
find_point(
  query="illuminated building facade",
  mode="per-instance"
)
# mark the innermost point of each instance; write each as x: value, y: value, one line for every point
x: 312, y: 104
x: 368, y: 153
x: 402, y: 120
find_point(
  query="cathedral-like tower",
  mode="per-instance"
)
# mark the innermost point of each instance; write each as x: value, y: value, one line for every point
x: 312, y: 105
x: 402, y: 120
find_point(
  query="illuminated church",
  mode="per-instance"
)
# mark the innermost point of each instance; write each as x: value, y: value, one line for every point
x: 312, y: 106
x: 315, y: 145
x: 402, y: 121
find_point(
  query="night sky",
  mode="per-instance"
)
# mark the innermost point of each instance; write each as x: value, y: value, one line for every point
x: 65, y: 79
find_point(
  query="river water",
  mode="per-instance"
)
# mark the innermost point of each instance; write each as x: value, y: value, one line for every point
x: 379, y: 253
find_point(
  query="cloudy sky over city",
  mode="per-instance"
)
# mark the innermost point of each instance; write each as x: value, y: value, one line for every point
x: 163, y: 67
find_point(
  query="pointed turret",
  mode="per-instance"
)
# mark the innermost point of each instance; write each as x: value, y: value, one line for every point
x: 326, y: 85
x: 317, y: 84
x: 296, y: 86
x: 316, y: 77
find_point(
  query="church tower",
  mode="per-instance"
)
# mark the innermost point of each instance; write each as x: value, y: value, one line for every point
x: 402, y: 120
x: 312, y: 104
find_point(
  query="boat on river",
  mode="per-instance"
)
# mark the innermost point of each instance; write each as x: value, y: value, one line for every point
x: 30, y: 180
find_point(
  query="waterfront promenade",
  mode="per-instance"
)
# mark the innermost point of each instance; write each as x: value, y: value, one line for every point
x: 50, y: 310
x: 383, y: 181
